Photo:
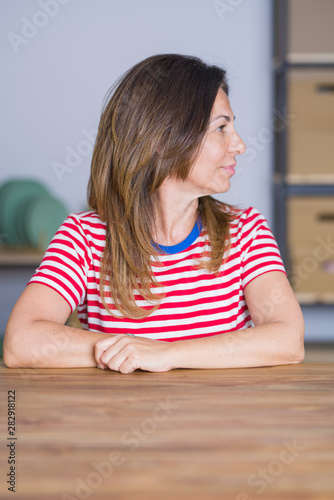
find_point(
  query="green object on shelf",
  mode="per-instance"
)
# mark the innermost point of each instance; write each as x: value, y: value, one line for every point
x: 41, y: 219
x: 14, y: 195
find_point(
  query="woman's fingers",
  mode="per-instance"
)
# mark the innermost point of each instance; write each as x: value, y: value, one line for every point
x: 102, y: 345
x: 116, y: 355
x: 112, y: 353
x: 125, y: 354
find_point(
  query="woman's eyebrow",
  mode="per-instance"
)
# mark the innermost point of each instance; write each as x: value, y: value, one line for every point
x: 227, y: 118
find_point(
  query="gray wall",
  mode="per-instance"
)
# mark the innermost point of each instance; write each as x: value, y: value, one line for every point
x: 59, y: 57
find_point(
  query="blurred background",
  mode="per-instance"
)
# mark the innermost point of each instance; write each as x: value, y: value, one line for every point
x: 60, y: 57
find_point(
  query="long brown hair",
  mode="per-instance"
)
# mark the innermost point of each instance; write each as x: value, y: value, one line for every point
x: 153, y: 123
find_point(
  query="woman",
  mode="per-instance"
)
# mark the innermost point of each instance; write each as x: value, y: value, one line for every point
x: 163, y: 275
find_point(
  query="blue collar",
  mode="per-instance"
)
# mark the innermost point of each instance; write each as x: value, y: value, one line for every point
x: 196, y: 231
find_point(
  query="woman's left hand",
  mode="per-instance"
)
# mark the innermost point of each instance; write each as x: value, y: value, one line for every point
x: 125, y: 354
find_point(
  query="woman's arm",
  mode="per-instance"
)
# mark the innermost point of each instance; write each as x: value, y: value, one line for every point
x: 276, y: 339
x: 36, y: 336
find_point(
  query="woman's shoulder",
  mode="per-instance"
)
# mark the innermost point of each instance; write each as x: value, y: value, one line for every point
x: 86, y: 226
x: 86, y: 220
x: 241, y: 213
x: 247, y: 219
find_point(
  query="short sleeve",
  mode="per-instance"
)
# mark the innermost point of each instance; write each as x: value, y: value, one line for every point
x: 259, y: 250
x: 66, y: 262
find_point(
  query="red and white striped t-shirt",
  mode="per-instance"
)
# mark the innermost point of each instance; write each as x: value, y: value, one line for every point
x: 196, y: 303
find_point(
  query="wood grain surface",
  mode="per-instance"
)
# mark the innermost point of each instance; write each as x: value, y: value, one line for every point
x: 241, y: 434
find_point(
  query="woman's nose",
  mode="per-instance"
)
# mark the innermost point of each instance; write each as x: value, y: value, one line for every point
x: 238, y: 146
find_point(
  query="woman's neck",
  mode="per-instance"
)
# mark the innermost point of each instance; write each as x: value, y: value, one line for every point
x: 176, y: 212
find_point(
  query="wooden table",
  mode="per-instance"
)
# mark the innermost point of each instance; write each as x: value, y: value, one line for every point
x: 241, y: 434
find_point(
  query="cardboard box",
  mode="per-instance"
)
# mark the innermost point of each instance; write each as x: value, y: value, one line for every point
x: 311, y: 247
x: 310, y: 134
x: 310, y: 30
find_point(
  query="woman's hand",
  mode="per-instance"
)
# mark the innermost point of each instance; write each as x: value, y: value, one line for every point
x: 125, y: 354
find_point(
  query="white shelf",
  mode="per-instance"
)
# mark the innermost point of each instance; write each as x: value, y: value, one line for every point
x: 310, y: 58
x: 301, y: 179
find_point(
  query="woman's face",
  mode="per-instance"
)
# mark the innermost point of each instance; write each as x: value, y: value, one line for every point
x: 215, y: 164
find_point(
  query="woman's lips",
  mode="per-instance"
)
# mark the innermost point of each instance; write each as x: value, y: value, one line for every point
x: 230, y: 169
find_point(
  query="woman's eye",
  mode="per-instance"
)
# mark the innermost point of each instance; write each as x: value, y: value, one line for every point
x: 221, y: 128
